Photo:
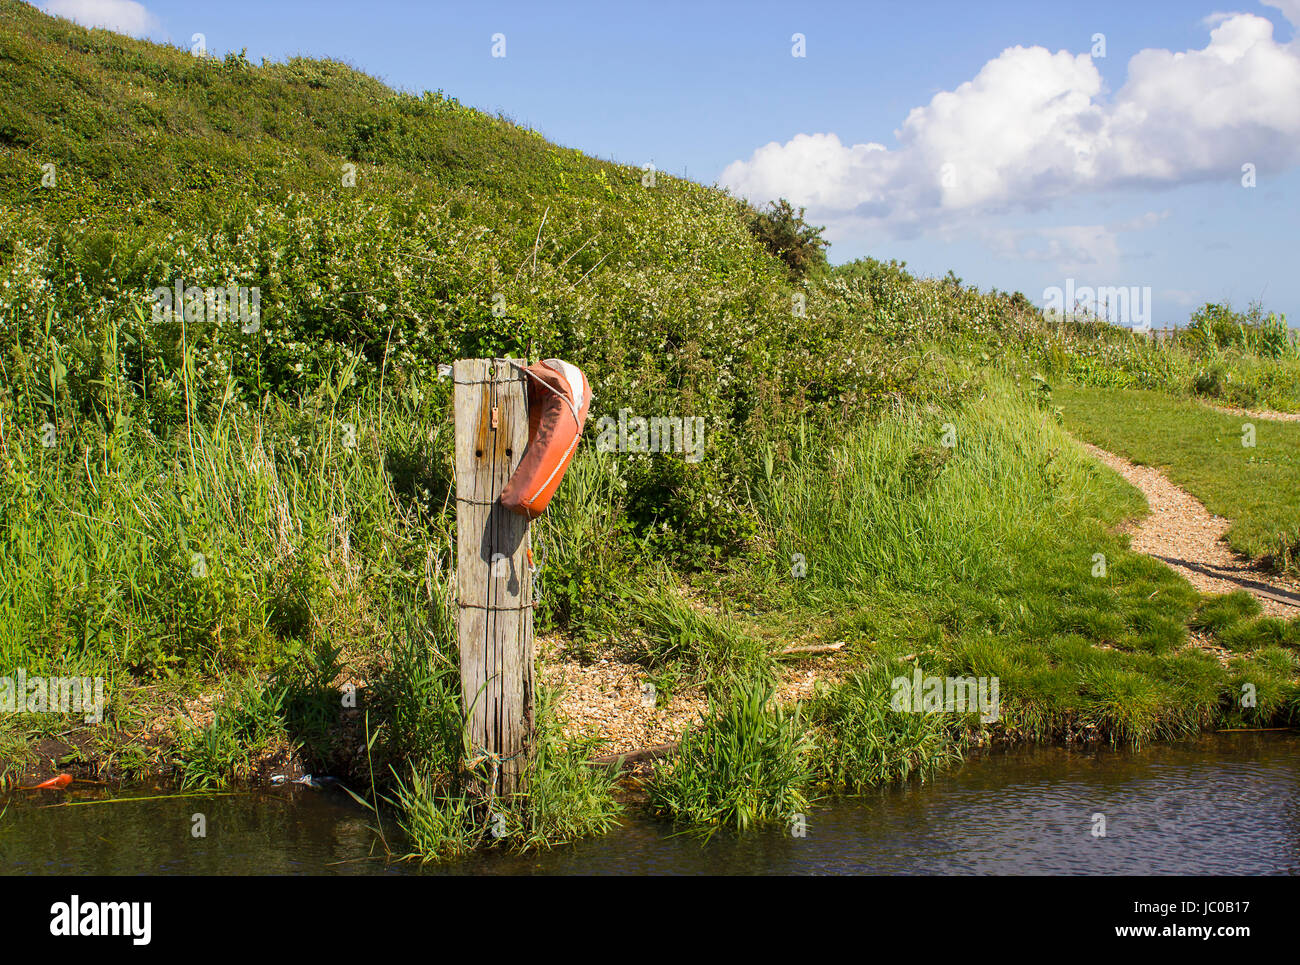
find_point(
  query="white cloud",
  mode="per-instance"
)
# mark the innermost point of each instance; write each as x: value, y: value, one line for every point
x: 122, y: 16
x: 835, y: 175
x: 1033, y: 126
x: 1212, y: 20
x: 1070, y: 247
x: 1094, y: 246
x: 1290, y: 9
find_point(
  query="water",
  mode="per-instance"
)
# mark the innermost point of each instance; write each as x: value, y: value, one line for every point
x: 1222, y: 804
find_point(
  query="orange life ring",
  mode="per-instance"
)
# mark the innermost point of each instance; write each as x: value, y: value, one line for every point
x: 558, y: 398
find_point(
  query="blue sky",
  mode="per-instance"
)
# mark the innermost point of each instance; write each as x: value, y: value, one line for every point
x: 1057, y: 165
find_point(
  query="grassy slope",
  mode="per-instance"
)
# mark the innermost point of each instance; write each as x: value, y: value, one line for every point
x: 979, y: 560
x: 131, y: 121
x: 1257, y: 488
x: 171, y: 167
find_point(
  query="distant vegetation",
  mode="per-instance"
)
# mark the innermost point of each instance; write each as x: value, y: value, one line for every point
x: 262, y: 512
x: 1249, y: 358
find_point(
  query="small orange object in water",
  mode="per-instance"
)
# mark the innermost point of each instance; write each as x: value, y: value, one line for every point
x: 54, y: 783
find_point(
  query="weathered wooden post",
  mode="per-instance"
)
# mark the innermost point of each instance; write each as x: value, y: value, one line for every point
x: 494, y: 578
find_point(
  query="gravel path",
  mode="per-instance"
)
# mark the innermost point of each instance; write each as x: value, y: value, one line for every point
x: 1255, y: 413
x: 612, y: 696
x: 1180, y: 531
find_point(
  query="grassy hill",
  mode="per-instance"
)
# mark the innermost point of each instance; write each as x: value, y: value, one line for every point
x: 168, y: 166
x: 462, y: 235
x: 262, y: 514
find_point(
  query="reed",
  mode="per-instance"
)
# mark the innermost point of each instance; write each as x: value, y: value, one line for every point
x: 749, y: 764
x: 862, y: 743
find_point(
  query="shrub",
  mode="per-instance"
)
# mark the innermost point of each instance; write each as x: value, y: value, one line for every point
x: 784, y: 232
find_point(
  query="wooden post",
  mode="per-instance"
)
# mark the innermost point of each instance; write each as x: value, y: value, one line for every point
x: 494, y: 576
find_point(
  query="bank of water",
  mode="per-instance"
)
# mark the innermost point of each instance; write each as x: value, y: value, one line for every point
x: 1221, y: 804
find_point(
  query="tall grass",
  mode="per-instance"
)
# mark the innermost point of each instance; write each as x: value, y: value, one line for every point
x: 862, y: 742
x: 245, y: 725
x: 444, y: 813
x: 889, y: 503
x: 237, y: 544
x: 1254, y: 364
x: 748, y: 765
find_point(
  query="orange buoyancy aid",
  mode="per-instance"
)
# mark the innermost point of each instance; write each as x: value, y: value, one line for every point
x: 558, y: 399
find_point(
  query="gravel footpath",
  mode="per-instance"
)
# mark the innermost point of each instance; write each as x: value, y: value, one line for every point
x: 1255, y: 413
x: 612, y: 696
x: 614, y: 699
x: 1180, y: 531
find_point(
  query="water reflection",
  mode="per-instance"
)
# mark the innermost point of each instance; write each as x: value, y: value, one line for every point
x: 1217, y: 805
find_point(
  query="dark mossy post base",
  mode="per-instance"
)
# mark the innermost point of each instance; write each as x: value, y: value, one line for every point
x: 494, y: 575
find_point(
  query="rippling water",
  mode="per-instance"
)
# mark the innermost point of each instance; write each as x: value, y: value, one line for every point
x: 1222, y: 804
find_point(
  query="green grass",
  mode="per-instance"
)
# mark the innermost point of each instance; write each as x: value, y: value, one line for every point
x: 1262, y: 633
x: 1219, y: 613
x: 1248, y: 359
x: 861, y: 742
x: 748, y: 765
x: 246, y: 725
x: 980, y: 560
x: 443, y: 813
x: 706, y: 647
x: 1256, y: 487
x: 240, y: 545
x: 993, y: 558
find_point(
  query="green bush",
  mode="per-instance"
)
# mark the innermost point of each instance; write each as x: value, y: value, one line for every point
x: 784, y: 232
